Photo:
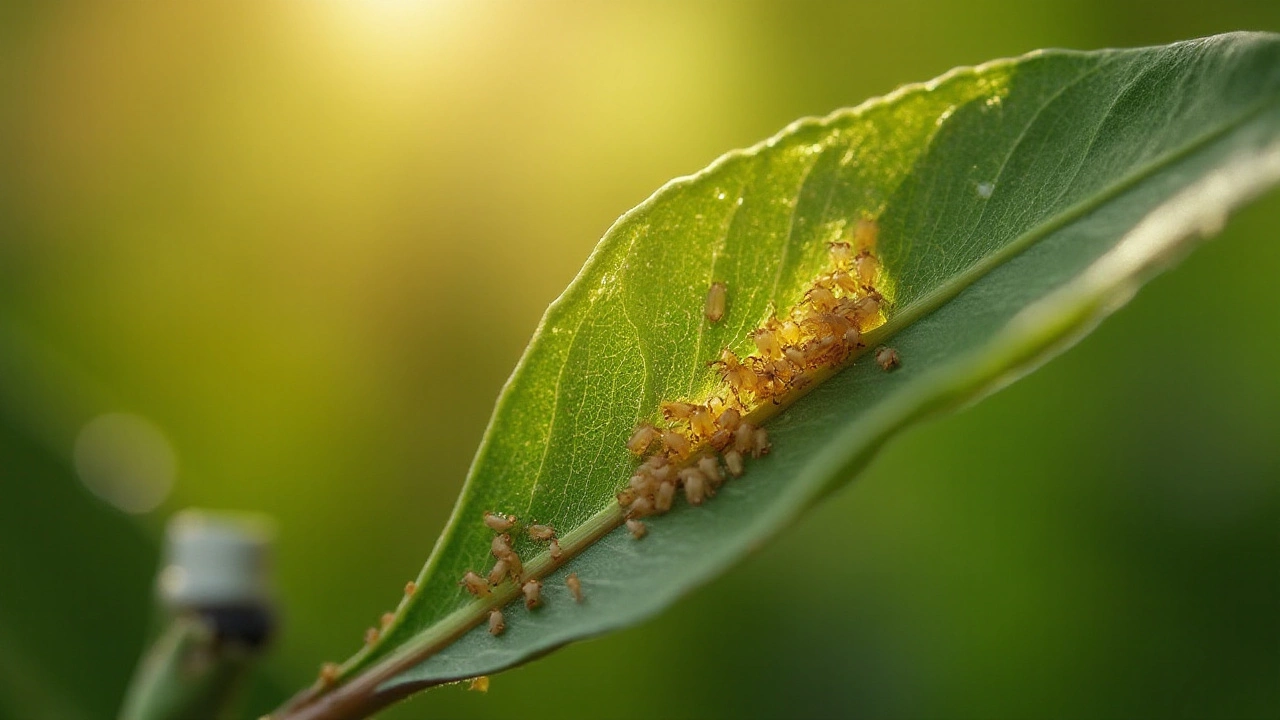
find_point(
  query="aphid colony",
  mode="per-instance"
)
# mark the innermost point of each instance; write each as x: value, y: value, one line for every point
x: 698, y: 446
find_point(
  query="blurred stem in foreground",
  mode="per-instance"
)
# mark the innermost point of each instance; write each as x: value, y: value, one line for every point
x: 215, y: 586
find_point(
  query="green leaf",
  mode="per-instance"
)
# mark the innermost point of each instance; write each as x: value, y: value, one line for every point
x: 1018, y: 202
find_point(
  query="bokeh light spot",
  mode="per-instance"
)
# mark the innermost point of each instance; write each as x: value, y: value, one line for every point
x: 125, y: 460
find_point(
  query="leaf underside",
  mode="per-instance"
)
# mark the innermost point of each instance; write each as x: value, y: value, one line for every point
x: 1018, y: 203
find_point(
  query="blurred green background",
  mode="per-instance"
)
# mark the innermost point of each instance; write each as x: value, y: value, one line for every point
x: 302, y: 244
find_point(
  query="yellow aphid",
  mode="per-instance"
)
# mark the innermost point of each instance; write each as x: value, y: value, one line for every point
x: 865, y: 234
x: 328, y: 673
x: 498, y: 572
x: 696, y: 487
x: 841, y: 254
x: 410, y: 587
x: 737, y: 376
x: 887, y: 358
x: 479, y: 684
x: 866, y: 310
x: 822, y: 299
x: 498, y: 522
x: 846, y: 282
x: 676, y: 443
x: 729, y: 419
x: 733, y: 461
x: 496, y: 622
x: 532, y: 593
x: 642, y: 438
x: 636, y: 528
x: 386, y: 619
x: 760, y: 444
x: 868, y: 268
x: 767, y: 343
x: 474, y: 584
x: 795, y: 356
x: 717, y: 295
x: 554, y: 548
x: 370, y: 636
x: 676, y: 410
x: 663, y: 498
x: 701, y: 422
x: 711, y: 469
x: 790, y: 332
x: 541, y: 533
x: 575, y: 586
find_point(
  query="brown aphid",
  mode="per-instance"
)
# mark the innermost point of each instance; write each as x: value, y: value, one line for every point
x: 541, y: 533
x: 575, y: 586
x: 721, y: 439
x: 515, y: 568
x: 767, y: 343
x: 729, y: 419
x: 496, y: 622
x: 701, y: 422
x: 663, y: 498
x: 636, y: 528
x: 554, y: 549
x: 328, y: 673
x: 865, y: 234
x: 410, y: 587
x: 710, y: 467
x: 643, y: 483
x: 626, y: 496
x: 498, y: 572
x: 642, y: 438
x: 841, y: 254
x: 532, y: 593
x: 386, y: 619
x: 717, y: 296
x: 852, y: 338
x: 733, y: 461
x: 501, y: 547
x: 887, y: 358
x: 676, y: 443
x: 696, y: 487
x: 474, y: 584
x: 498, y: 522
x: 370, y: 636
x: 744, y: 438
x: 760, y: 444
x: 642, y: 507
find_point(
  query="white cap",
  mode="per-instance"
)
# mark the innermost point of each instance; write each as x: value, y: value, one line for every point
x: 216, y: 559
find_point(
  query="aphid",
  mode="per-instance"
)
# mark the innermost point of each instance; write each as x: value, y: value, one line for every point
x: 575, y: 586
x: 479, y: 684
x: 676, y: 443
x: 733, y: 461
x: 841, y: 254
x: 760, y: 443
x: 636, y: 528
x: 370, y: 636
x: 846, y: 282
x: 767, y: 343
x: 386, y: 619
x: 695, y: 485
x: 515, y: 568
x: 541, y: 532
x: 737, y: 376
x: 790, y: 332
x: 640, y: 441
x: 721, y: 439
x: 554, y: 548
x: 498, y: 572
x: 665, y: 495
x: 701, y: 422
x: 410, y: 587
x: 867, y: 266
x: 498, y: 522
x: 676, y: 410
x: 887, y: 357
x: 496, y: 622
x: 474, y: 584
x: 642, y: 507
x: 865, y: 234
x: 729, y: 419
x: 532, y: 593
x: 328, y: 673
x: 822, y: 299
x: 501, y: 547
x: 710, y: 467
x: 626, y: 496
x: 795, y: 356
x: 643, y: 483
x: 852, y: 338
x: 866, y: 309
x: 743, y: 438
x: 716, y: 297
